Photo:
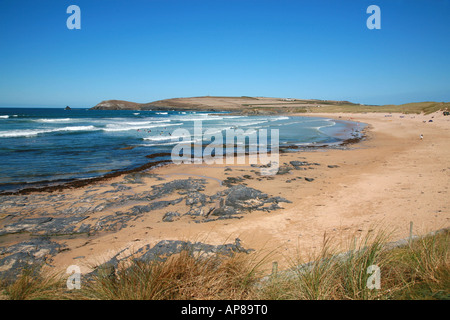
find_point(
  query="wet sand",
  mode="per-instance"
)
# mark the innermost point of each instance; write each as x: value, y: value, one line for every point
x: 384, y: 182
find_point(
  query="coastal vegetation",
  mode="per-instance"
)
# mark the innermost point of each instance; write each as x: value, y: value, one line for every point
x: 418, y: 268
x: 324, y: 107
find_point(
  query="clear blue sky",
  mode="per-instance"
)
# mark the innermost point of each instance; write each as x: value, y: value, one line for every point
x: 145, y: 50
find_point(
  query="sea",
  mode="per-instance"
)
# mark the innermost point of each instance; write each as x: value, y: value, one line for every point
x: 44, y: 146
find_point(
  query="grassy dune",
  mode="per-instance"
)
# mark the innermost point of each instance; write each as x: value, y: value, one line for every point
x: 409, y: 108
x: 420, y: 269
x: 416, y: 107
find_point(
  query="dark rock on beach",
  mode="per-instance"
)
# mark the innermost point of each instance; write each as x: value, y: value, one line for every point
x: 141, y: 209
x: 299, y: 164
x: 24, y: 225
x: 171, y: 216
x: 195, y: 198
x: 230, y: 181
x: 225, y: 211
x: 182, y: 186
x: 61, y: 219
x: 284, y: 170
x: 31, y: 254
x: 241, y: 199
x: 113, y: 222
x: 33, y: 215
x: 196, y: 212
x: 44, y: 225
x: 166, y: 248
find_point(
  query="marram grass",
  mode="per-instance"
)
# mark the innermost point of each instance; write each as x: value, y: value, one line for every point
x: 417, y: 270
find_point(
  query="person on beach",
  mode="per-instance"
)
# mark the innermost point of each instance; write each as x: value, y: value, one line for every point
x: 421, y: 136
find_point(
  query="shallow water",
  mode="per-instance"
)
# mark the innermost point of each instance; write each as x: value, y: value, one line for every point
x: 39, y: 144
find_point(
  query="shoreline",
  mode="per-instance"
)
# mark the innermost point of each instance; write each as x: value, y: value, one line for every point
x: 57, y: 185
x: 385, y: 181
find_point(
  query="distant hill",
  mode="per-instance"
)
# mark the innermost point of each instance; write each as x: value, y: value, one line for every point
x: 209, y: 103
x: 117, y: 105
x: 265, y: 105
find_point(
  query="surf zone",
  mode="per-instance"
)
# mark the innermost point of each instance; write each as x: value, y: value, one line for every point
x: 230, y: 146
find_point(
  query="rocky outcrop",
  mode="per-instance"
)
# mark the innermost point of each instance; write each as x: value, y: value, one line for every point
x: 241, y: 199
x: 45, y: 226
x: 117, y: 105
x: 166, y: 248
x: 26, y: 255
x: 34, y: 218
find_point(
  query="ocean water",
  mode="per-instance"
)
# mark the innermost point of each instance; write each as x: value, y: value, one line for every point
x: 43, y: 146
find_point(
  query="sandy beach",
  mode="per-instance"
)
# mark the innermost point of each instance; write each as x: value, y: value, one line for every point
x: 391, y: 178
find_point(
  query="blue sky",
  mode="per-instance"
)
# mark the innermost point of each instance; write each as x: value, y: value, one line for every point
x: 148, y: 50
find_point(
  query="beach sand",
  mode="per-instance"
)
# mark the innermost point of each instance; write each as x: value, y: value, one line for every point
x: 384, y: 182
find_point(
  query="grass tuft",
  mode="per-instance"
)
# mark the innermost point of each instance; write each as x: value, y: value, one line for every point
x: 417, y: 270
x: 33, y: 285
x: 182, y: 276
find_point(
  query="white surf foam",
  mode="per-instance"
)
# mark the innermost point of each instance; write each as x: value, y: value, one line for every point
x: 54, y: 120
x: 251, y: 123
x: 198, y: 117
x: 138, y: 123
x: 279, y: 118
x: 34, y: 132
x: 162, y: 138
x: 121, y: 127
